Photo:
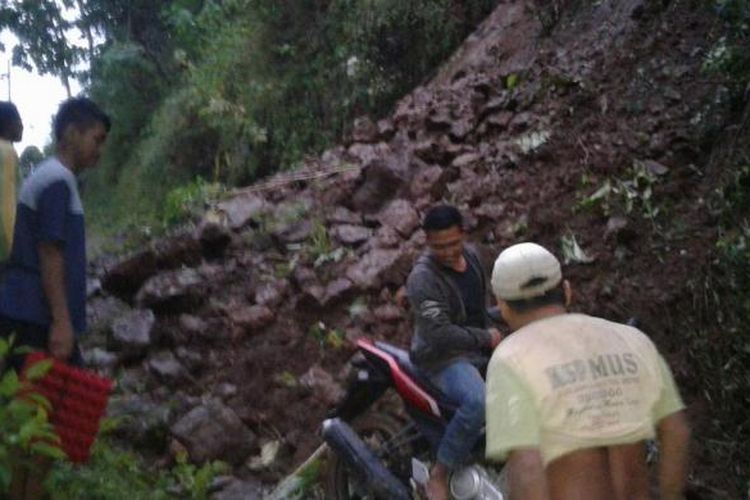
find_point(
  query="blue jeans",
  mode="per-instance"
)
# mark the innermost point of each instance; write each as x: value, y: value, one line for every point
x: 463, y: 384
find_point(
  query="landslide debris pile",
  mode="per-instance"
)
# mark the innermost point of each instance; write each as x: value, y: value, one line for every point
x: 231, y: 338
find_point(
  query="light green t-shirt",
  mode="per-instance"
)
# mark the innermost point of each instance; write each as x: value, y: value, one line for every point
x: 572, y: 382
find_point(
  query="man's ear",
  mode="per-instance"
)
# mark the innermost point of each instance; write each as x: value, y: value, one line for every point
x: 70, y: 134
x: 504, y: 309
x: 568, y: 293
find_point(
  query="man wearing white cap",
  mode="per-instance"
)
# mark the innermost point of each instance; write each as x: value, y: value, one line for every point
x: 572, y: 398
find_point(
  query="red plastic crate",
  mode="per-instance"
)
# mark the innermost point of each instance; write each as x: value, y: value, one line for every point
x: 78, y: 398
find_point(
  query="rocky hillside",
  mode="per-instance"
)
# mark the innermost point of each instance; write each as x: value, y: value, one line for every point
x: 580, y: 125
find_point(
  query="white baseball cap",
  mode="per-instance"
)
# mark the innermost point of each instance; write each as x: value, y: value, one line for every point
x: 524, y: 271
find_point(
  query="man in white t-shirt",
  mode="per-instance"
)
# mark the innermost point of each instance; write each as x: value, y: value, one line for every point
x: 572, y: 398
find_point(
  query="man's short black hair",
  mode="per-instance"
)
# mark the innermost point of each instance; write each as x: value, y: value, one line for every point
x: 554, y: 296
x: 8, y: 117
x: 82, y: 113
x: 442, y: 217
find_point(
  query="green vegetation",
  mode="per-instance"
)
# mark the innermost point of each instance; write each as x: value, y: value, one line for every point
x: 718, y: 337
x: 631, y: 193
x: 116, y: 474
x: 188, y: 201
x: 111, y: 473
x: 327, y: 337
x: 25, y: 432
x: 231, y: 90
x: 718, y: 333
x: 731, y: 54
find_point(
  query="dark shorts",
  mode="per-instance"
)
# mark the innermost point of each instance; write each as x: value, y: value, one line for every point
x: 34, y: 336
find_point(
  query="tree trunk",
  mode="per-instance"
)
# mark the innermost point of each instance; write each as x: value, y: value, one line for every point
x: 66, y: 83
x: 85, y: 27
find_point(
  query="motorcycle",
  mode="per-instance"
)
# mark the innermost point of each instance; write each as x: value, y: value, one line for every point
x: 376, y: 454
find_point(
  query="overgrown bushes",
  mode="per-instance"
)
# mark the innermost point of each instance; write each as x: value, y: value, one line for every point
x: 261, y: 84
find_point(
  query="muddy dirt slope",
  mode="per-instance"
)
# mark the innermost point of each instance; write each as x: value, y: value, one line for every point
x: 579, y: 125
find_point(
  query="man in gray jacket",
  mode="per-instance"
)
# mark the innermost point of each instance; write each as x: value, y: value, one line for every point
x: 447, y: 290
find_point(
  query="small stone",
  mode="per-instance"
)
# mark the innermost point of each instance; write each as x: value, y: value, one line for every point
x: 225, y: 390
x: 337, y: 290
x: 131, y: 333
x: 323, y: 385
x: 389, y: 313
x: 656, y: 168
x: 364, y: 130
x: 166, y: 368
x: 351, y: 235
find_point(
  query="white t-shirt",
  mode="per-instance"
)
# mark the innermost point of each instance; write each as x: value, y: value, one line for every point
x: 573, y: 381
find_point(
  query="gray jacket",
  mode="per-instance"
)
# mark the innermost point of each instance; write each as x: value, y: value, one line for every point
x: 439, y: 314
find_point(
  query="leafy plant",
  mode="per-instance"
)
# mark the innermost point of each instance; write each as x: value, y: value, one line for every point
x: 633, y: 192
x: 114, y: 473
x: 193, y: 481
x: 25, y: 431
x: 327, y: 337
x: 730, y: 54
x: 185, y: 202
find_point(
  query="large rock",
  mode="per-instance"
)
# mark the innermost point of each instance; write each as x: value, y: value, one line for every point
x: 100, y: 359
x: 338, y: 290
x: 342, y: 215
x: 381, y: 179
x: 271, y: 294
x: 131, y: 333
x: 193, y: 326
x: 127, y: 276
x: 173, y: 290
x: 213, y: 431
x: 101, y: 312
x: 243, y: 210
x: 323, y: 386
x: 389, y: 313
x: 365, y: 154
x: 214, y: 236
x: 351, y: 235
x: 430, y: 181
x: 379, y: 267
x: 181, y: 250
x: 294, y: 232
x: 251, y: 319
x: 141, y: 422
x: 364, y: 130
x: 240, y: 490
x: 401, y: 216
x: 165, y: 366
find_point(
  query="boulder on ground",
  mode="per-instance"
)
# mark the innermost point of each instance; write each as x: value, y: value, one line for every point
x: 378, y: 268
x: 243, y: 210
x: 131, y: 333
x: 351, y: 235
x: 401, y: 216
x: 174, y: 290
x: 213, y: 431
x: 165, y: 366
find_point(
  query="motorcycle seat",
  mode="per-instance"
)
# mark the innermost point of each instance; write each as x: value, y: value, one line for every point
x: 422, y: 379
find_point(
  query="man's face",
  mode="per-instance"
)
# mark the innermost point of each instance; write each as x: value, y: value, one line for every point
x: 89, y: 144
x: 447, y: 246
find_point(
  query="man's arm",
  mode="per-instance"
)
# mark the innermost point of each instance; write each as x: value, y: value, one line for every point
x: 433, y: 321
x: 674, y: 439
x: 526, y: 475
x: 52, y: 266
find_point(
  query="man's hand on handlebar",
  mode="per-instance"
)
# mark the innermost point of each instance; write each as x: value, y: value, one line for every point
x: 496, y: 337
